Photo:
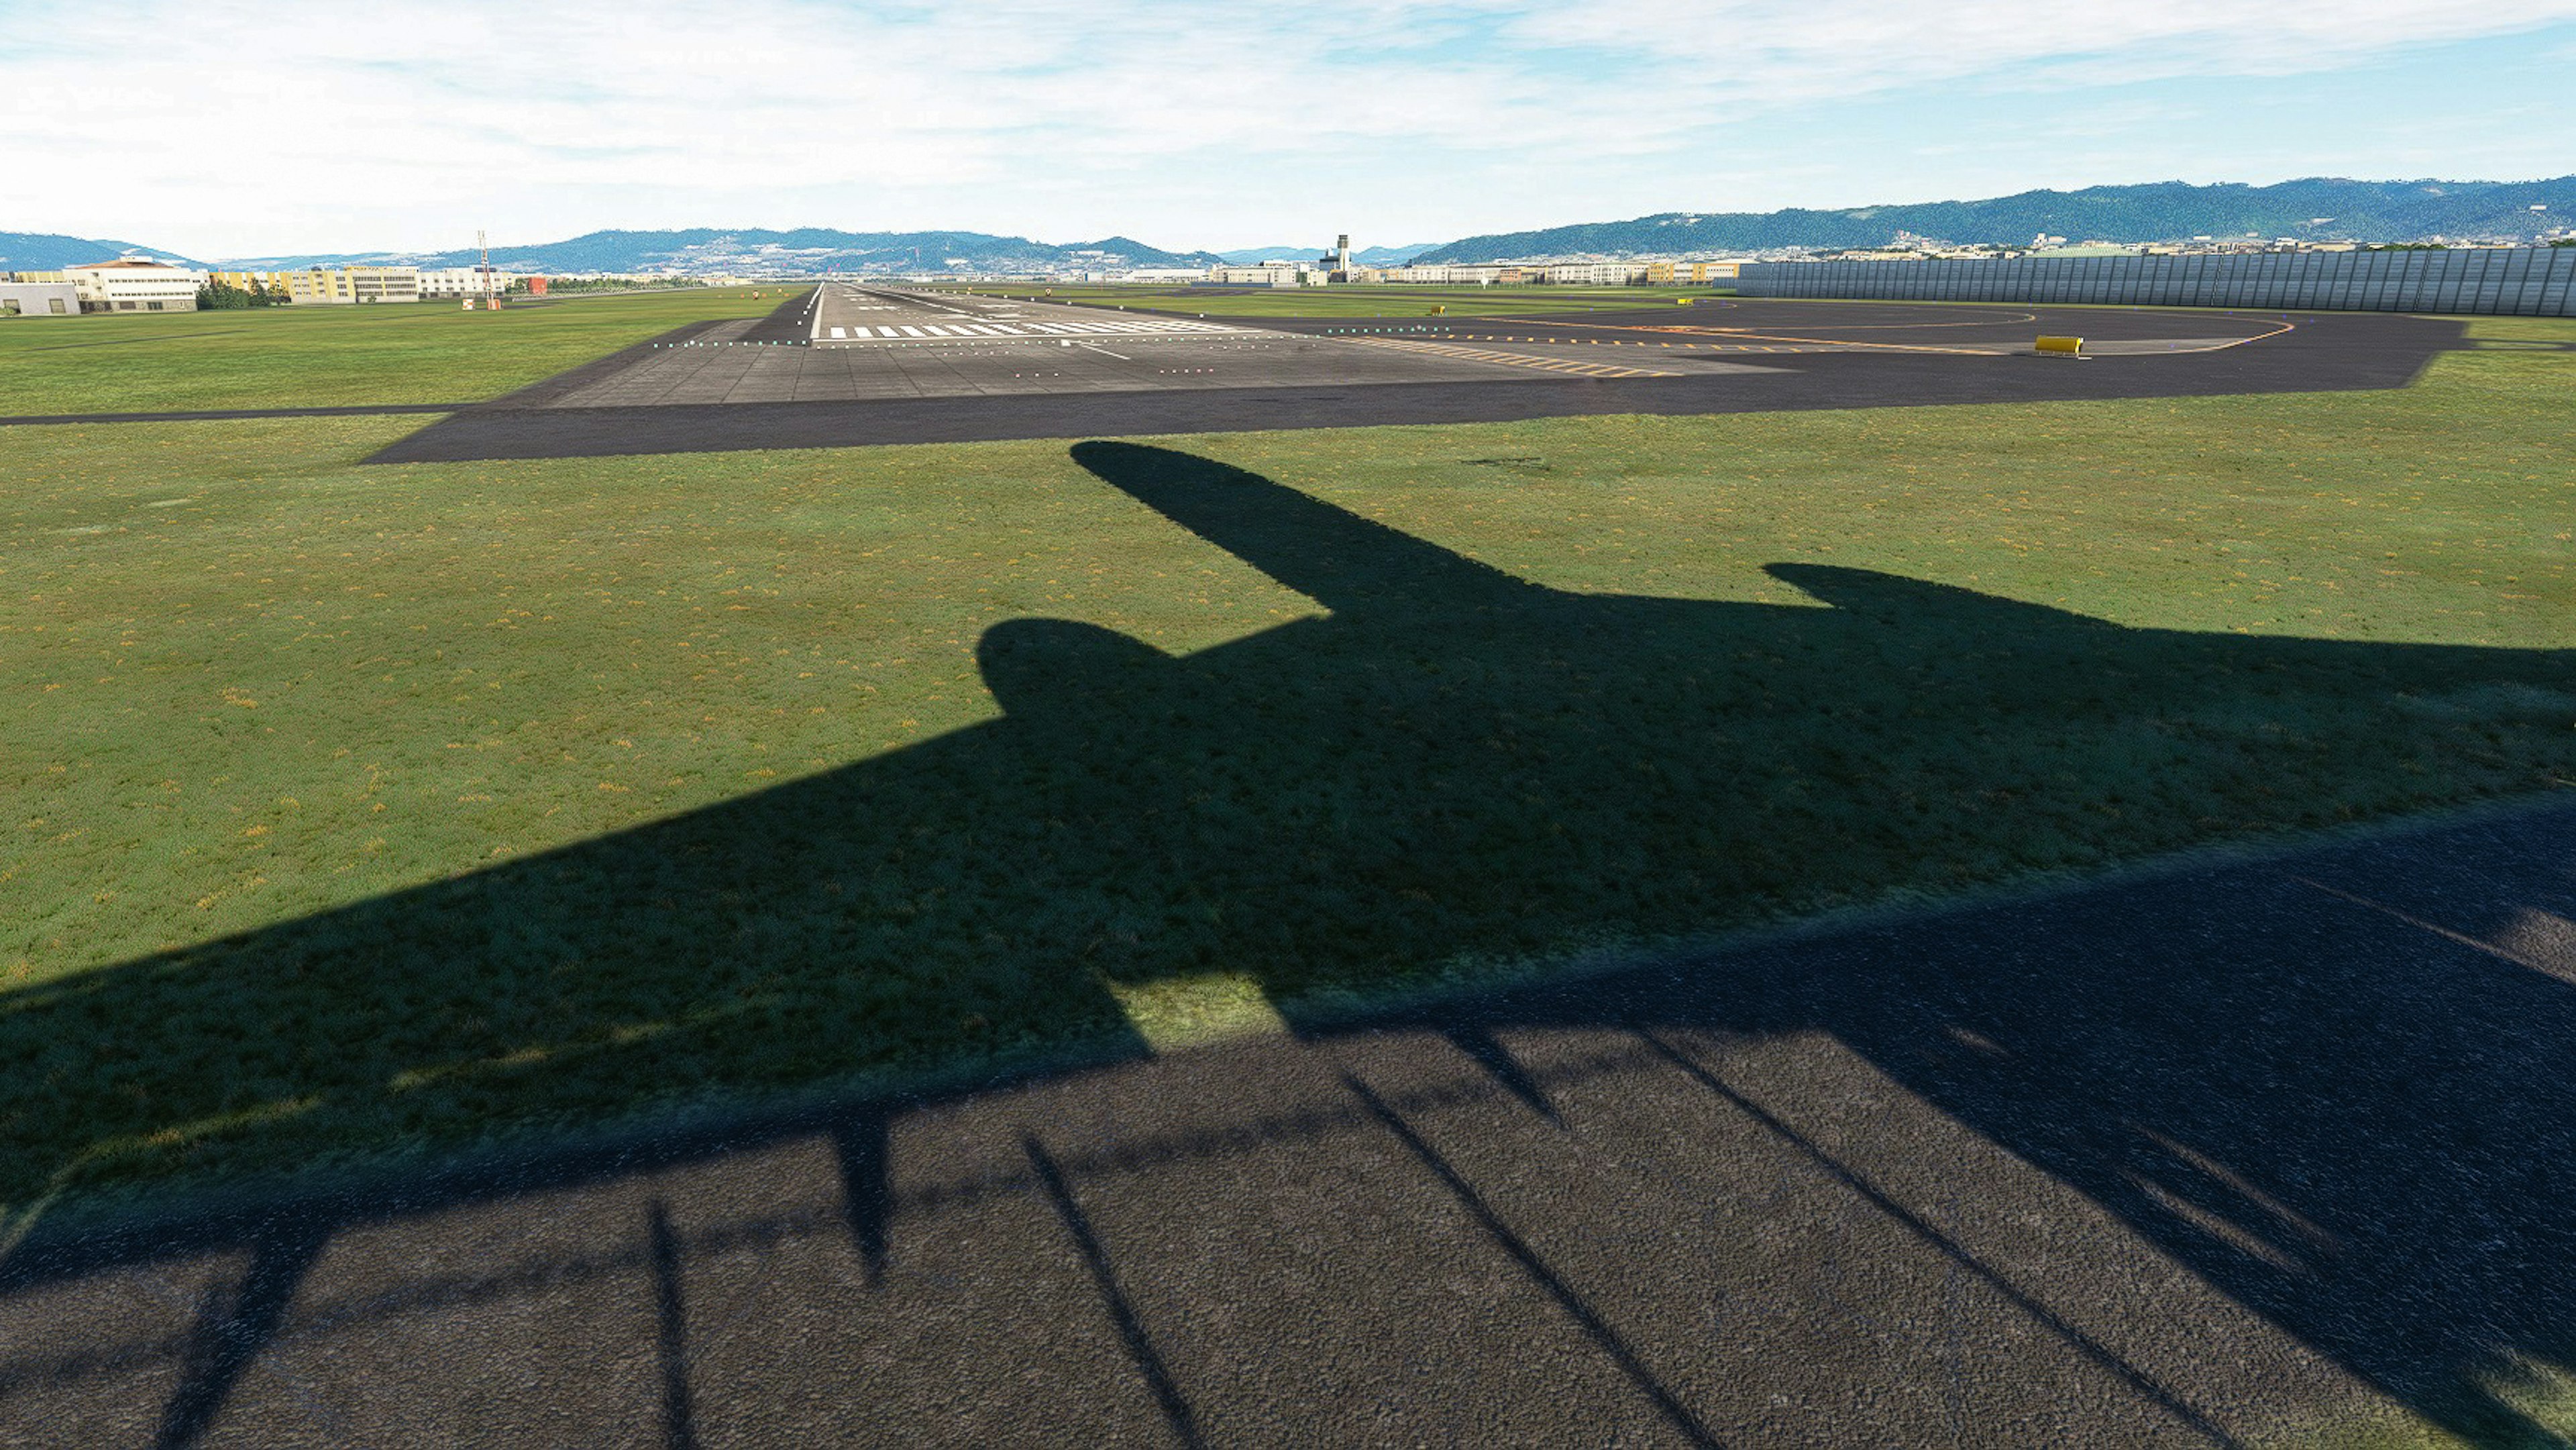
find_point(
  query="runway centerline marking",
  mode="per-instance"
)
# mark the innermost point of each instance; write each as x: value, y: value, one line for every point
x: 1514, y: 359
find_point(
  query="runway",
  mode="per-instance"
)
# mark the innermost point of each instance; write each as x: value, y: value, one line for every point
x: 786, y: 382
x: 845, y: 343
x: 849, y: 314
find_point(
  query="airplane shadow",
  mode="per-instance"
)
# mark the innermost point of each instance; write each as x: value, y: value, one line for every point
x: 1454, y: 766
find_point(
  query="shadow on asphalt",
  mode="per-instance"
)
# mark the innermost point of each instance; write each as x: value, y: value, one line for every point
x: 2369, y: 1147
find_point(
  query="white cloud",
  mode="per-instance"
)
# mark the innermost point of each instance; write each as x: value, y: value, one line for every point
x: 223, y: 126
x: 1807, y: 49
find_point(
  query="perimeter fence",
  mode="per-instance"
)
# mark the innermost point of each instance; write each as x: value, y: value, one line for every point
x: 2507, y: 281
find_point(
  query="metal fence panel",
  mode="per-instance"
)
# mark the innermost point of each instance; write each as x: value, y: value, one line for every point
x: 2523, y: 281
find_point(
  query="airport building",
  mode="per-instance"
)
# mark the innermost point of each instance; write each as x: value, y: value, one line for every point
x: 1596, y: 274
x: 450, y: 283
x: 351, y: 285
x: 1271, y: 274
x: 131, y: 284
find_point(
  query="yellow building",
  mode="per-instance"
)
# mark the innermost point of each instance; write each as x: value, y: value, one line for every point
x: 317, y: 285
x: 245, y: 281
x: 1659, y: 274
x: 328, y: 285
x: 55, y: 277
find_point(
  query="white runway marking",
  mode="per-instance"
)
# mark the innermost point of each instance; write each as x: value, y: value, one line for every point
x: 1009, y: 326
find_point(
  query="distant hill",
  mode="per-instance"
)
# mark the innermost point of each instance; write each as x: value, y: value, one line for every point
x: 2321, y: 208
x: 1251, y: 256
x: 804, y: 249
x: 1365, y: 256
x: 46, y: 252
x: 1391, y: 256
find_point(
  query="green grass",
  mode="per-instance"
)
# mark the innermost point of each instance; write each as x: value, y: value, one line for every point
x: 304, y: 357
x: 1357, y: 301
x: 357, y: 809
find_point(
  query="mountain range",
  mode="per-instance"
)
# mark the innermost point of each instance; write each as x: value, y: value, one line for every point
x: 2319, y: 208
x: 707, y: 249
x: 697, y: 250
x: 1364, y: 256
x: 48, y: 252
x: 2315, y: 208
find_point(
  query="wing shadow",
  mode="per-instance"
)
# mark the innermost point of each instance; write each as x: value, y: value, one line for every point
x: 1452, y: 765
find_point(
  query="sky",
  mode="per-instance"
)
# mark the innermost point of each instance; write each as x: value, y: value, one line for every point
x: 217, y: 128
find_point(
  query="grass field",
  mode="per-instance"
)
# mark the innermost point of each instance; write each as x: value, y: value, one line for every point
x: 366, y: 809
x: 1389, y: 301
x: 305, y: 357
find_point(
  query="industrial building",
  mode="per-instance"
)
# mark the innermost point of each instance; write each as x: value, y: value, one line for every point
x: 131, y: 284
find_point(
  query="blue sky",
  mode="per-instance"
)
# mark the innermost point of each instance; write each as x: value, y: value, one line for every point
x: 293, y: 125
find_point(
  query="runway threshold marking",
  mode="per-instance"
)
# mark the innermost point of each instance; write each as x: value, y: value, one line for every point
x: 1514, y: 359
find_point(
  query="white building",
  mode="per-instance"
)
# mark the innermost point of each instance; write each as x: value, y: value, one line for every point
x: 1595, y: 274
x: 132, y: 284
x: 452, y: 282
x: 39, y: 299
x: 1440, y: 275
x: 1270, y: 274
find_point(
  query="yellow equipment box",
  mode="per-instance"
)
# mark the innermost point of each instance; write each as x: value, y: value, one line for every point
x: 2060, y: 346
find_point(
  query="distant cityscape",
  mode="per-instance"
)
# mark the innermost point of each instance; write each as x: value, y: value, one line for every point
x: 137, y: 283
x: 48, y: 274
